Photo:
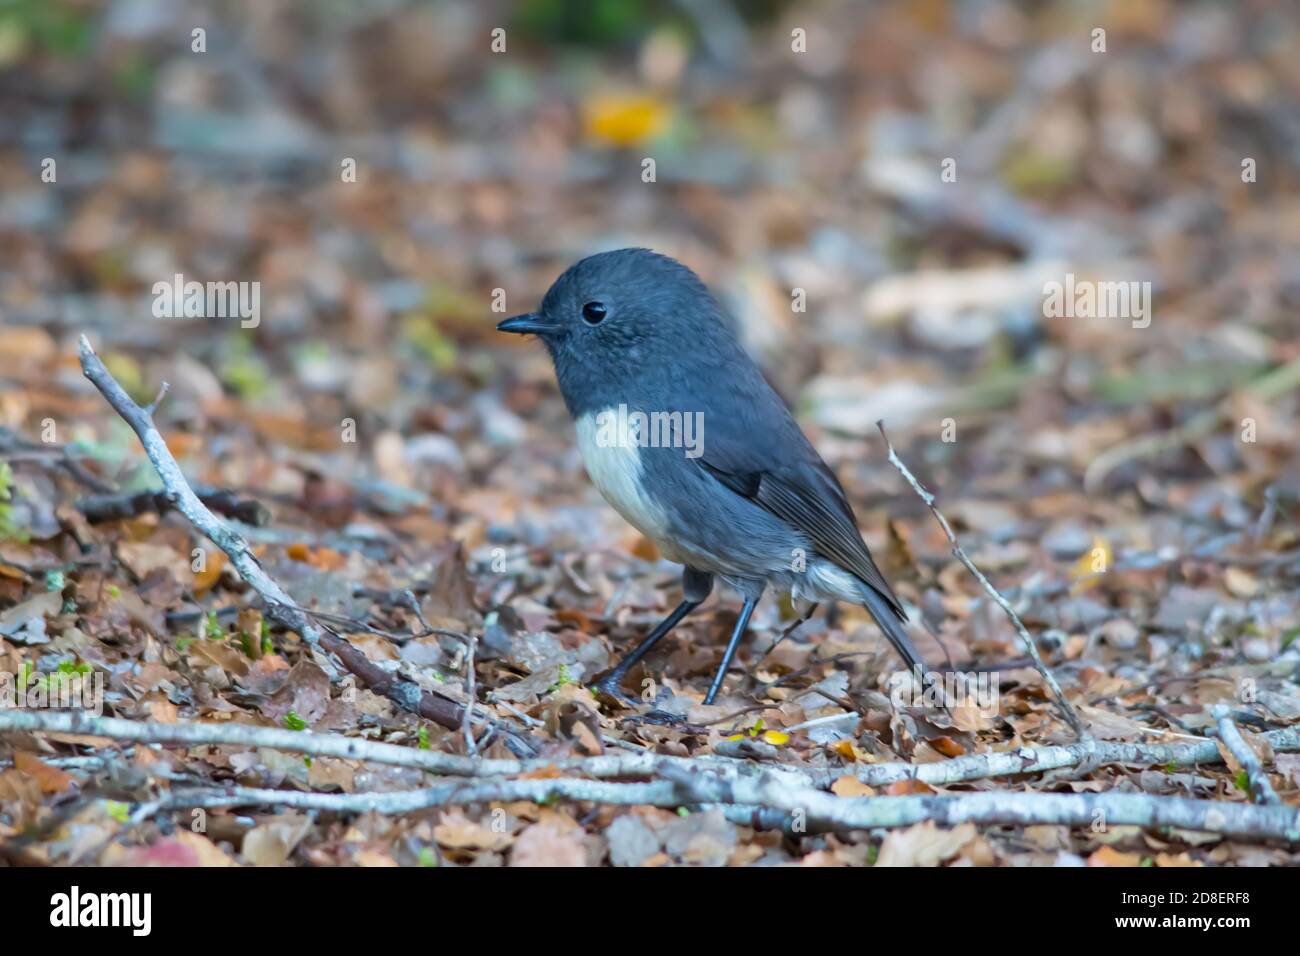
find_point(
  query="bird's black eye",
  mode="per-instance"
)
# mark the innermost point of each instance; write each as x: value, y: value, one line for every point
x: 593, y: 313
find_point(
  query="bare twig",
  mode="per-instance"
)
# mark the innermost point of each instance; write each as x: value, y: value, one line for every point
x: 442, y: 710
x: 826, y: 811
x: 817, y: 810
x: 412, y: 602
x: 658, y: 793
x: 799, y: 622
x: 637, y: 764
x: 471, y: 697
x: 152, y: 407
x: 1026, y: 638
x: 1260, y: 788
x: 1023, y: 760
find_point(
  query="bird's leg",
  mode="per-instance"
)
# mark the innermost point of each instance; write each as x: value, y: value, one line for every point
x: 609, y: 683
x: 741, y: 623
x: 696, y: 586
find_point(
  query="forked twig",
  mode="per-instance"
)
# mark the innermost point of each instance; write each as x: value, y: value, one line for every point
x: 1260, y: 789
x: 1026, y: 638
x: 442, y: 710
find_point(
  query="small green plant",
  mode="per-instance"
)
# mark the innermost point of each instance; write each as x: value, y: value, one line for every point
x: 294, y: 722
x: 242, y: 371
x: 59, y: 29
x: 423, y: 737
x: 66, y: 672
x: 562, y: 679
x: 9, y: 530
x: 120, y: 812
x: 1290, y: 636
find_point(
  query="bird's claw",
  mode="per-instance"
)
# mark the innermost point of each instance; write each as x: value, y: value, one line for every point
x: 609, y: 688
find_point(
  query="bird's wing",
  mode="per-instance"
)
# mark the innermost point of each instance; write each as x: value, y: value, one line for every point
x: 778, y: 469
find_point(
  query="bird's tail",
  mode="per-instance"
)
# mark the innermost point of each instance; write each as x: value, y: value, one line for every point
x: 887, y: 619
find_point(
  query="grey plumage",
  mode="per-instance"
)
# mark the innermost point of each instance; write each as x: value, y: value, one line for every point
x: 757, y: 506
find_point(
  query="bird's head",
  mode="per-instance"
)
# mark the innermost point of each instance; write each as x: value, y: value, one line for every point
x: 615, y: 317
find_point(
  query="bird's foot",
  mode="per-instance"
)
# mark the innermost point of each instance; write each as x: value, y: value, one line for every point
x: 608, y: 687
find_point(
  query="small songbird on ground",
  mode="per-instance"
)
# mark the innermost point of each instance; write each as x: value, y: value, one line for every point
x: 682, y: 434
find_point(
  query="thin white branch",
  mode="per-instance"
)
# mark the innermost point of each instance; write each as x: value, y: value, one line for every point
x: 1030, y: 760
x: 279, y: 605
x: 1023, y: 760
x: 1026, y: 638
x: 818, y: 810
x: 626, y: 765
x: 471, y: 698
x: 804, y: 806
x: 179, y: 492
x: 658, y: 793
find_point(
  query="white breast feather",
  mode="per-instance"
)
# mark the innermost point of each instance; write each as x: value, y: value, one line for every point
x: 613, y: 461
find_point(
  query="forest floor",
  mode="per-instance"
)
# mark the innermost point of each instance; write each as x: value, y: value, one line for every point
x: 410, y: 480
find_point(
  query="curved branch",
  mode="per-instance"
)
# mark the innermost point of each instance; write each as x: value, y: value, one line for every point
x: 443, y: 711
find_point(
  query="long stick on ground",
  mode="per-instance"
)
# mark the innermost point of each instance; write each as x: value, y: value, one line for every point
x: 1022, y: 760
x: 442, y: 710
x: 657, y: 793
x: 1026, y: 638
x: 812, y: 808
x: 823, y: 810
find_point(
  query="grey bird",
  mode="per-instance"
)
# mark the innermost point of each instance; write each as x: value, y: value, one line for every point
x: 682, y: 434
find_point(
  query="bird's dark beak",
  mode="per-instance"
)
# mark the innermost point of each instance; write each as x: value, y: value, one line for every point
x: 528, y: 324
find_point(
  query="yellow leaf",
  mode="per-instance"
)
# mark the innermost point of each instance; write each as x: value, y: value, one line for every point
x: 775, y: 737
x: 1095, y: 562
x: 850, y: 751
x: 624, y: 119
x: 1108, y: 856
x: 205, y: 579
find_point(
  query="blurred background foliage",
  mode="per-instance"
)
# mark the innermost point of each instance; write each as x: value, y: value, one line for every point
x: 914, y: 173
x: 775, y: 170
